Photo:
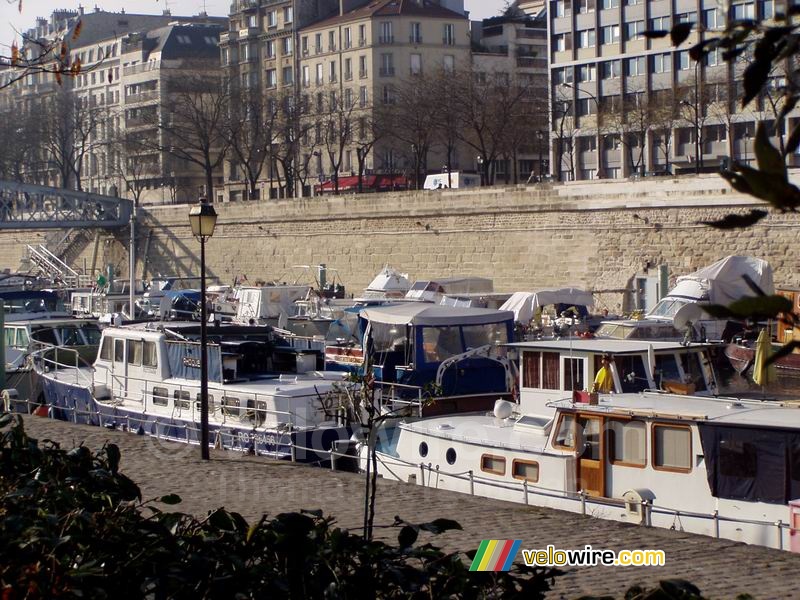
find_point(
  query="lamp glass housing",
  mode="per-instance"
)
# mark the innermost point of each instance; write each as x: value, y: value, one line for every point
x: 203, y: 219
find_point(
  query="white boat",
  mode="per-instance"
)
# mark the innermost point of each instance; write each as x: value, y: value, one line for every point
x: 266, y: 394
x: 704, y: 464
x: 433, y: 290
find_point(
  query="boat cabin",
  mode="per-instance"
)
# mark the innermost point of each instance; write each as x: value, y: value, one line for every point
x: 80, y: 335
x: 32, y: 304
x: 434, y: 290
x: 418, y: 344
x: 552, y: 369
x: 258, y: 305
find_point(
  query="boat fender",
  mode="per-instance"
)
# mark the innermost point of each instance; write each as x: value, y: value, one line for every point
x: 7, y: 396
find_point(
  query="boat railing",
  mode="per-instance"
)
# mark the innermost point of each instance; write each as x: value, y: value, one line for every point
x: 45, y: 359
x: 390, y: 400
x: 527, y: 489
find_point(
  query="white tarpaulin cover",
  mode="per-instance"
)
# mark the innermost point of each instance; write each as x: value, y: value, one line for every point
x: 722, y: 282
x: 417, y: 314
x: 525, y: 304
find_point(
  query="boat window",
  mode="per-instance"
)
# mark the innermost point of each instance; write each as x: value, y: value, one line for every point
x: 119, y: 350
x: 22, y: 338
x: 210, y: 404
x: 551, y: 371
x: 440, y: 343
x: 666, y: 369
x: 476, y: 336
x: 672, y: 448
x: 181, y: 398
x: 668, y: 307
x: 531, y: 369
x: 45, y: 335
x: 135, y: 352
x: 526, y: 470
x: 493, y: 464
x: 590, y: 437
x: 794, y: 468
x: 9, y: 335
x: 626, y: 443
x: 230, y: 406
x: 387, y: 338
x: 91, y: 334
x: 610, y: 330
x: 160, y: 395
x: 149, y: 358
x: 105, y: 349
x: 632, y: 373
x: 69, y: 336
x: 423, y: 449
x: 260, y: 412
x: 694, y: 370
x: 573, y: 374
x: 450, y: 456
x: 565, y: 434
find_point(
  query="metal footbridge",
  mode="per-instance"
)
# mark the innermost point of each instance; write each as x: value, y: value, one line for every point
x: 24, y: 206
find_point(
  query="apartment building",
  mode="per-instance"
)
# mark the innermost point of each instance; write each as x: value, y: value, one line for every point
x: 354, y: 65
x: 622, y: 104
x: 125, y: 61
x: 516, y: 44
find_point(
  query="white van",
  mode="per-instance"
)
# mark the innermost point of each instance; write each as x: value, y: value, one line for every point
x: 456, y: 180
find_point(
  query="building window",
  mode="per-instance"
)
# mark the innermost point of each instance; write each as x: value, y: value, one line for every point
x: 348, y: 98
x: 634, y: 30
x: 288, y: 75
x: 742, y: 11
x: 332, y: 71
x: 387, y: 95
x: 449, y: 63
x: 682, y: 60
x: 348, y: 38
x: 608, y: 4
x: 269, y: 49
x: 585, y: 106
x: 609, y: 34
x: 306, y: 76
x: 304, y: 45
x: 611, y: 69
x: 387, y: 65
x: 348, y: 69
x: 271, y: 79
x: 526, y: 470
x: 387, y: 36
x: 416, y: 64
x: 362, y: 35
x: 320, y: 78
x: 690, y: 17
x: 587, y: 73
x: 713, y: 18
x: 331, y: 41
x: 363, y: 96
x: 318, y: 43
x: 496, y: 465
x: 661, y: 63
x: 563, y: 75
x: 287, y: 46
x: 635, y: 66
x: 712, y: 59
x: 562, y: 8
x: 449, y: 35
x: 584, y: 6
x: 586, y: 38
x: 626, y: 443
x: 672, y: 448
x: 416, y: 33
x: 660, y: 24
x: 362, y: 66
x: 562, y: 42
x: 272, y: 18
x: 288, y: 15
x: 767, y: 9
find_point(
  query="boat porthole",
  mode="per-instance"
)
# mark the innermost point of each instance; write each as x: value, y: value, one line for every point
x: 450, y: 456
x: 423, y: 449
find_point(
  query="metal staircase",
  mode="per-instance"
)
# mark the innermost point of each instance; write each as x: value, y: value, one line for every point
x: 50, y: 265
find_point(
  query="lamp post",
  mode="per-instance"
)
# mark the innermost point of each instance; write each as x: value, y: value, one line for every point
x: 597, y: 117
x: 480, y: 169
x: 746, y: 141
x: 203, y: 219
x: 540, y: 138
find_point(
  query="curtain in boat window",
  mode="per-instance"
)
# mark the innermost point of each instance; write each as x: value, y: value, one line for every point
x: 551, y: 370
x: 673, y: 447
x: 626, y: 441
x: 752, y: 464
x: 531, y: 370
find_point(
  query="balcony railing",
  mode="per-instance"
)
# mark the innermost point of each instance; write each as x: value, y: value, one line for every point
x: 141, y: 97
x: 142, y: 68
x: 387, y: 72
x: 386, y: 39
x: 362, y: 74
x: 362, y: 42
x: 415, y: 39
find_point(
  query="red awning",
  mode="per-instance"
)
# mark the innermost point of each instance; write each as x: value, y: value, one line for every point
x: 373, y: 183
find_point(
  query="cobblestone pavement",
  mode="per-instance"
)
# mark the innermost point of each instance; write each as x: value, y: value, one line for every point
x: 253, y: 486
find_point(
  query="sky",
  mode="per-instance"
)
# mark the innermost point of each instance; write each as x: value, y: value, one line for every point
x: 13, y: 21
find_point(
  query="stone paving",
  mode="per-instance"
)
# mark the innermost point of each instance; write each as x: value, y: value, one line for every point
x: 253, y: 486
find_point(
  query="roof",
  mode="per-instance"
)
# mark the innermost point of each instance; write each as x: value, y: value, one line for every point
x: 185, y: 41
x: 392, y: 8
x: 419, y: 314
x: 602, y: 345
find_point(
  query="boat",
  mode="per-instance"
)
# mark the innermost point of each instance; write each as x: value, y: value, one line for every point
x: 723, y: 467
x: 571, y: 306
x: 389, y: 284
x: 434, y: 290
x: 679, y: 315
x: 267, y: 392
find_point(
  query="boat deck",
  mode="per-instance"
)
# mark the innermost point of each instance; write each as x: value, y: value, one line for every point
x: 252, y: 486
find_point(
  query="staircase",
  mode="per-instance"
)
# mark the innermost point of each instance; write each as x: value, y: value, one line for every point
x: 51, y: 266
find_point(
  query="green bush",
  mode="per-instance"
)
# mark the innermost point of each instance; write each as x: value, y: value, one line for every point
x: 73, y: 526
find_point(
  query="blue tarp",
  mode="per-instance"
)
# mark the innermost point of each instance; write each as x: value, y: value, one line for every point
x: 184, y: 361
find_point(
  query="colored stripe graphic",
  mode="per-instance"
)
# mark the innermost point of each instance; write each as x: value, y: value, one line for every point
x: 495, y: 555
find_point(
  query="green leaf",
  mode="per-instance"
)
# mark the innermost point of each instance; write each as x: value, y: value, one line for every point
x: 785, y: 350
x: 769, y: 158
x: 438, y: 526
x: 737, y: 221
x: 761, y: 307
x: 114, y: 455
x: 777, y: 191
x: 793, y: 142
x: 407, y: 536
x: 170, y: 499
x: 679, y: 33
x: 755, y: 76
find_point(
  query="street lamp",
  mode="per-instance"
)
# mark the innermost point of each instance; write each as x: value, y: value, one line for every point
x: 580, y: 91
x: 540, y: 138
x: 203, y: 219
x: 480, y: 169
x: 746, y: 141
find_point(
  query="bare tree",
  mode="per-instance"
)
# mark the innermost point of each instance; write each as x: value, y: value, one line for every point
x: 192, y: 123
x: 336, y: 122
x: 294, y: 124
x: 447, y: 120
x: 565, y: 130
x: 250, y: 129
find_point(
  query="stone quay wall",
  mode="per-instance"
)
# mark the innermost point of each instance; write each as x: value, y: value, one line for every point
x: 595, y: 235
